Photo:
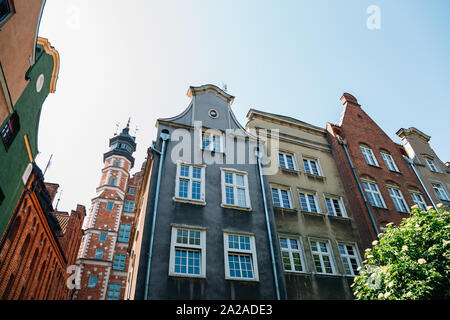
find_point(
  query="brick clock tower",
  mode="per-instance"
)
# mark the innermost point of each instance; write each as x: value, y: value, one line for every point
x: 102, y: 258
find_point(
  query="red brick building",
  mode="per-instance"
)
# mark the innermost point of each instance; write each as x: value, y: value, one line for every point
x: 103, y: 257
x: 37, y: 247
x: 381, y: 186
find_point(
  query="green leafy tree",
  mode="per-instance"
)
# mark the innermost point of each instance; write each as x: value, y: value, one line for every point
x: 410, y: 261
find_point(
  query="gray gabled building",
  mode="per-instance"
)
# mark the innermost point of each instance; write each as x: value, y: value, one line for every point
x: 204, y: 229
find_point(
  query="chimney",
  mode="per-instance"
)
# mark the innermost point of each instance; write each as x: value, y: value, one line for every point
x: 347, y: 98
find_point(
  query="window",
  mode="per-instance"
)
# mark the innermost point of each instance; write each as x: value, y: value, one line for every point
x: 312, y: 167
x: 282, y: 198
x: 102, y: 236
x: 131, y: 190
x: 418, y: 199
x: 335, y: 206
x: 321, y: 254
x: 113, y: 291
x: 124, y: 232
x: 369, y: 156
x: 235, y: 190
x: 349, y: 257
x: 6, y: 10
x: 188, y: 252
x: 397, y: 198
x: 287, y: 161
x: 92, y: 281
x: 390, y: 163
x: 292, y: 255
x: 109, y: 206
x: 190, y: 184
x: 431, y: 164
x: 112, y: 181
x: 98, y: 254
x: 373, y: 193
x: 240, y: 257
x: 128, y: 206
x: 308, y: 202
x: 116, y: 163
x: 212, y: 142
x: 11, y: 128
x: 119, y: 261
x: 440, y: 192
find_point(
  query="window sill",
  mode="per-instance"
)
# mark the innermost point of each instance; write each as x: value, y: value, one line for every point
x: 318, y: 214
x: 186, y: 276
x: 373, y: 165
x: 314, y: 176
x: 327, y: 275
x: 290, y: 171
x: 394, y: 171
x: 297, y: 273
x: 196, y: 202
x: 284, y: 209
x: 229, y: 206
x: 339, y: 218
x: 242, y: 279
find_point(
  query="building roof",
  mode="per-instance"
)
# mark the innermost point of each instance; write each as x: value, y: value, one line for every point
x: 63, y: 220
x: 411, y: 130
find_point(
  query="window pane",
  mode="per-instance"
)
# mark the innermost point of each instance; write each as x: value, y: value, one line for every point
x: 283, y: 243
x: 289, y: 162
x: 196, y: 193
x: 276, y: 198
x: 312, y: 203
x: 196, y: 173
x: 285, y: 199
x: 241, y: 197
x: 281, y: 160
x: 228, y: 178
x: 240, y: 180
x: 184, y: 171
x: 229, y: 195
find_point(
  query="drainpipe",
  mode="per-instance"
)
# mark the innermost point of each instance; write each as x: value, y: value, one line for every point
x: 165, y: 137
x: 411, y: 163
x: 269, y: 233
x: 343, y: 144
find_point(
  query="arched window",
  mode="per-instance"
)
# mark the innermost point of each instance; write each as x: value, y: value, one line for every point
x: 25, y: 245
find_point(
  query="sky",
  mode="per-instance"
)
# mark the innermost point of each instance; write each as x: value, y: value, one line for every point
x: 138, y: 58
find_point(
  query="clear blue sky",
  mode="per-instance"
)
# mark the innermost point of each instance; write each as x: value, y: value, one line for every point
x: 138, y: 58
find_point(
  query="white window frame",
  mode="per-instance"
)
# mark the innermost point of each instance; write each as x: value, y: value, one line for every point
x: 418, y: 199
x: 318, y: 166
x: 251, y: 253
x: 340, y: 201
x: 431, y: 164
x: 289, y: 193
x: 291, y: 251
x: 211, y: 147
x: 186, y: 246
x: 128, y: 206
x: 397, y: 198
x: 285, y: 154
x: 321, y: 254
x: 368, y: 154
x: 372, y: 192
x: 441, y: 191
x: 389, y: 161
x: 348, y: 256
x: 235, y: 186
x: 316, y: 201
x: 190, y: 179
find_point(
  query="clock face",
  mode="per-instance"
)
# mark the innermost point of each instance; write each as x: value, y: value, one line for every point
x: 213, y: 113
x: 40, y: 82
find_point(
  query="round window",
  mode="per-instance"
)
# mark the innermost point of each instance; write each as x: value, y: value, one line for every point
x: 213, y: 113
x: 40, y: 82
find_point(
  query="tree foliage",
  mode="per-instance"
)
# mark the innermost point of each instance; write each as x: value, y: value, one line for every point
x: 410, y: 261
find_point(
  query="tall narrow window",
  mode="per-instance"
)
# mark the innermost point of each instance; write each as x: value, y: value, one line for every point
x: 335, y: 206
x: 98, y: 254
x: 190, y: 184
x: 188, y: 252
x: 282, y: 198
x: 312, y: 166
x: 235, y: 190
x: 113, y: 291
x: 109, y: 206
x: 397, y: 198
x: 373, y: 194
x: 112, y: 181
x: 119, y: 261
x: 349, y: 257
x: 309, y: 202
x: 102, y: 237
x: 92, y: 283
x: 368, y: 155
x: 286, y: 160
x: 389, y: 161
x: 292, y: 254
x: 10, y: 130
x: 124, y: 232
x: 321, y: 254
x: 128, y: 206
x: 240, y: 257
